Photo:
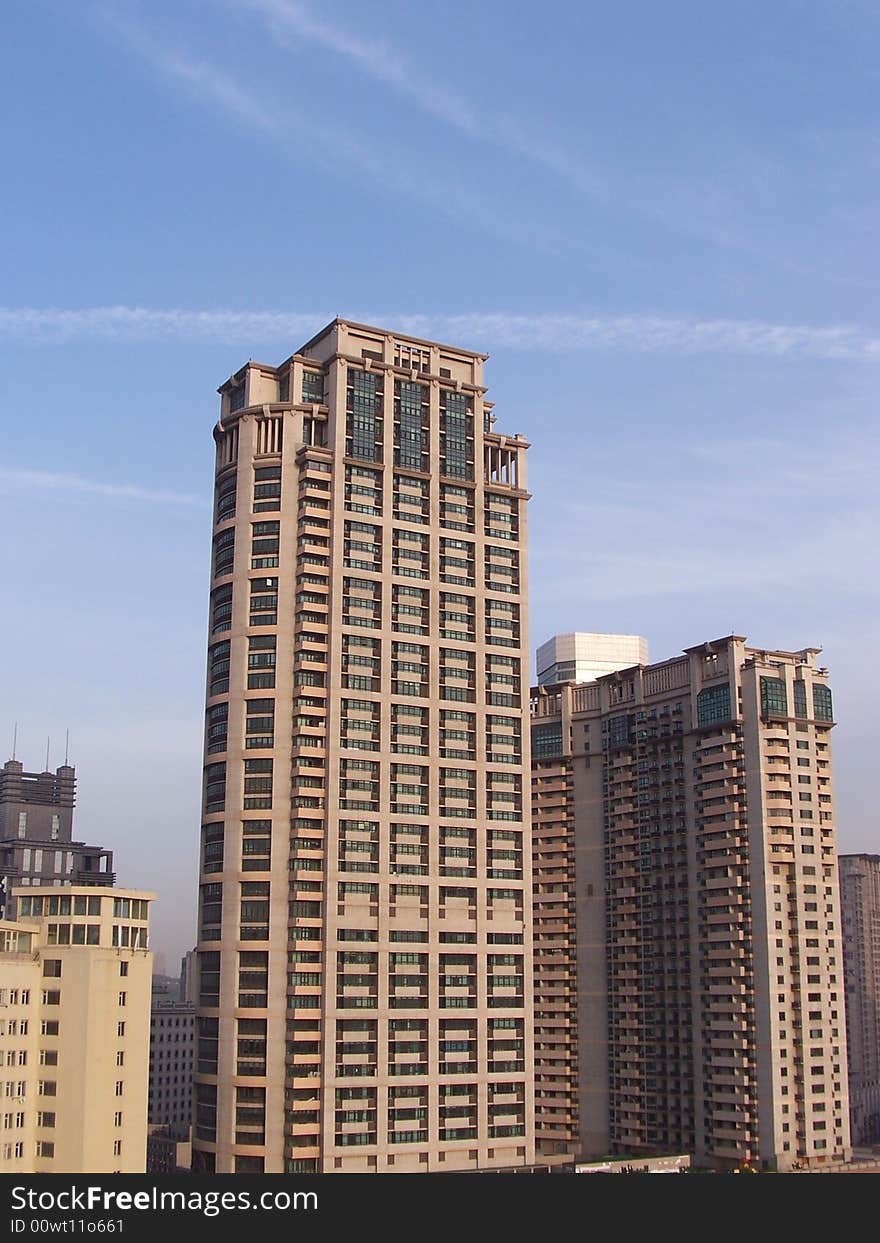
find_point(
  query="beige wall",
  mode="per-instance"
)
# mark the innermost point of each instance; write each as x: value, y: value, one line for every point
x: 79, y: 1068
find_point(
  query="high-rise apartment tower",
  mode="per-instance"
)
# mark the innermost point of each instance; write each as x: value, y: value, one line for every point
x: 689, y: 967
x: 365, y: 893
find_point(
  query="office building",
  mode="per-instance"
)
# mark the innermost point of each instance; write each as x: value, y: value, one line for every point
x: 689, y: 973
x: 74, y: 1031
x: 186, y: 990
x: 36, y: 835
x: 365, y: 892
x: 172, y: 1045
x: 583, y: 657
x: 860, y: 904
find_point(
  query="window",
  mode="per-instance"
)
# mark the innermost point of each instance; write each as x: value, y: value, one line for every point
x: 313, y: 387
x: 123, y: 968
x: 774, y: 702
x: 122, y: 998
x: 456, y: 435
x: 117, y: 1118
x: 52, y: 967
x: 120, y: 1029
x: 822, y: 708
x: 117, y: 1147
x: 120, y: 1084
x: 713, y: 704
x: 411, y: 406
x: 364, y: 420
x: 546, y: 740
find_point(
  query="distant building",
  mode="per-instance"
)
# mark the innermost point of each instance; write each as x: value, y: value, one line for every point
x: 688, y: 946
x: 582, y: 657
x: 169, y: 1150
x: 187, y: 988
x: 36, y: 835
x: 74, y: 1031
x: 172, y: 1030
x: 860, y: 905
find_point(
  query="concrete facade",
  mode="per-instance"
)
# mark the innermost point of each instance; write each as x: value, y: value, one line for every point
x: 365, y: 921
x: 689, y: 970
x: 860, y: 902
x: 75, y: 971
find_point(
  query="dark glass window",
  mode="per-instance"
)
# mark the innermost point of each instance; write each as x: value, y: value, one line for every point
x: 219, y: 668
x: 215, y: 787
x: 206, y: 1110
x: 546, y: 740
x: 221, y: 608
x: 456, y: 435
x: 313, y: 386
x: 364, y: 420
x: 226, y: 498
x: 774, y: 701
x: 224, y: 552
x: 822, y: 708
x: 713, y: 704
x: 411, y: 432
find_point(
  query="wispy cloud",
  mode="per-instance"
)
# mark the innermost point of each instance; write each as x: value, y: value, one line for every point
x: 291, y: 24
x: 650, y: 334
x: 49, y: 481
x: 338, y: 151
x: 725, y: 556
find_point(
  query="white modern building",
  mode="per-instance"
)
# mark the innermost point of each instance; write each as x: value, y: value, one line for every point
x: 584, y: 657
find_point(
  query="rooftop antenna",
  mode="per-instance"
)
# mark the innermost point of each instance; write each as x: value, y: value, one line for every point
x: 47, y: 755
x: 66, y: 746
x: 14, y: 738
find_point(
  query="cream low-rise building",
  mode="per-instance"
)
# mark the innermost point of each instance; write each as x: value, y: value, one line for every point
x: 75, y: 975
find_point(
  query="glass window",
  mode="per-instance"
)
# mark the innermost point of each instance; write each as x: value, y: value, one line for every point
x: 822, y: 707
x: 713, y: 704
x: 774, y: 702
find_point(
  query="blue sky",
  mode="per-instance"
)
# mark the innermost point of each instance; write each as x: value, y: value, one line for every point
x: 659, y: 221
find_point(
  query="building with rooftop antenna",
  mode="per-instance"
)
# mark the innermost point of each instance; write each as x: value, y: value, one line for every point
x: 36, y: 834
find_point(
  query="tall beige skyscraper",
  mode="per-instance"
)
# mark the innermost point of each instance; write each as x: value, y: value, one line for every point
x: 75, y: 974
x: 860, y: 901
x: 365, y: 933
x: 689, y: 965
